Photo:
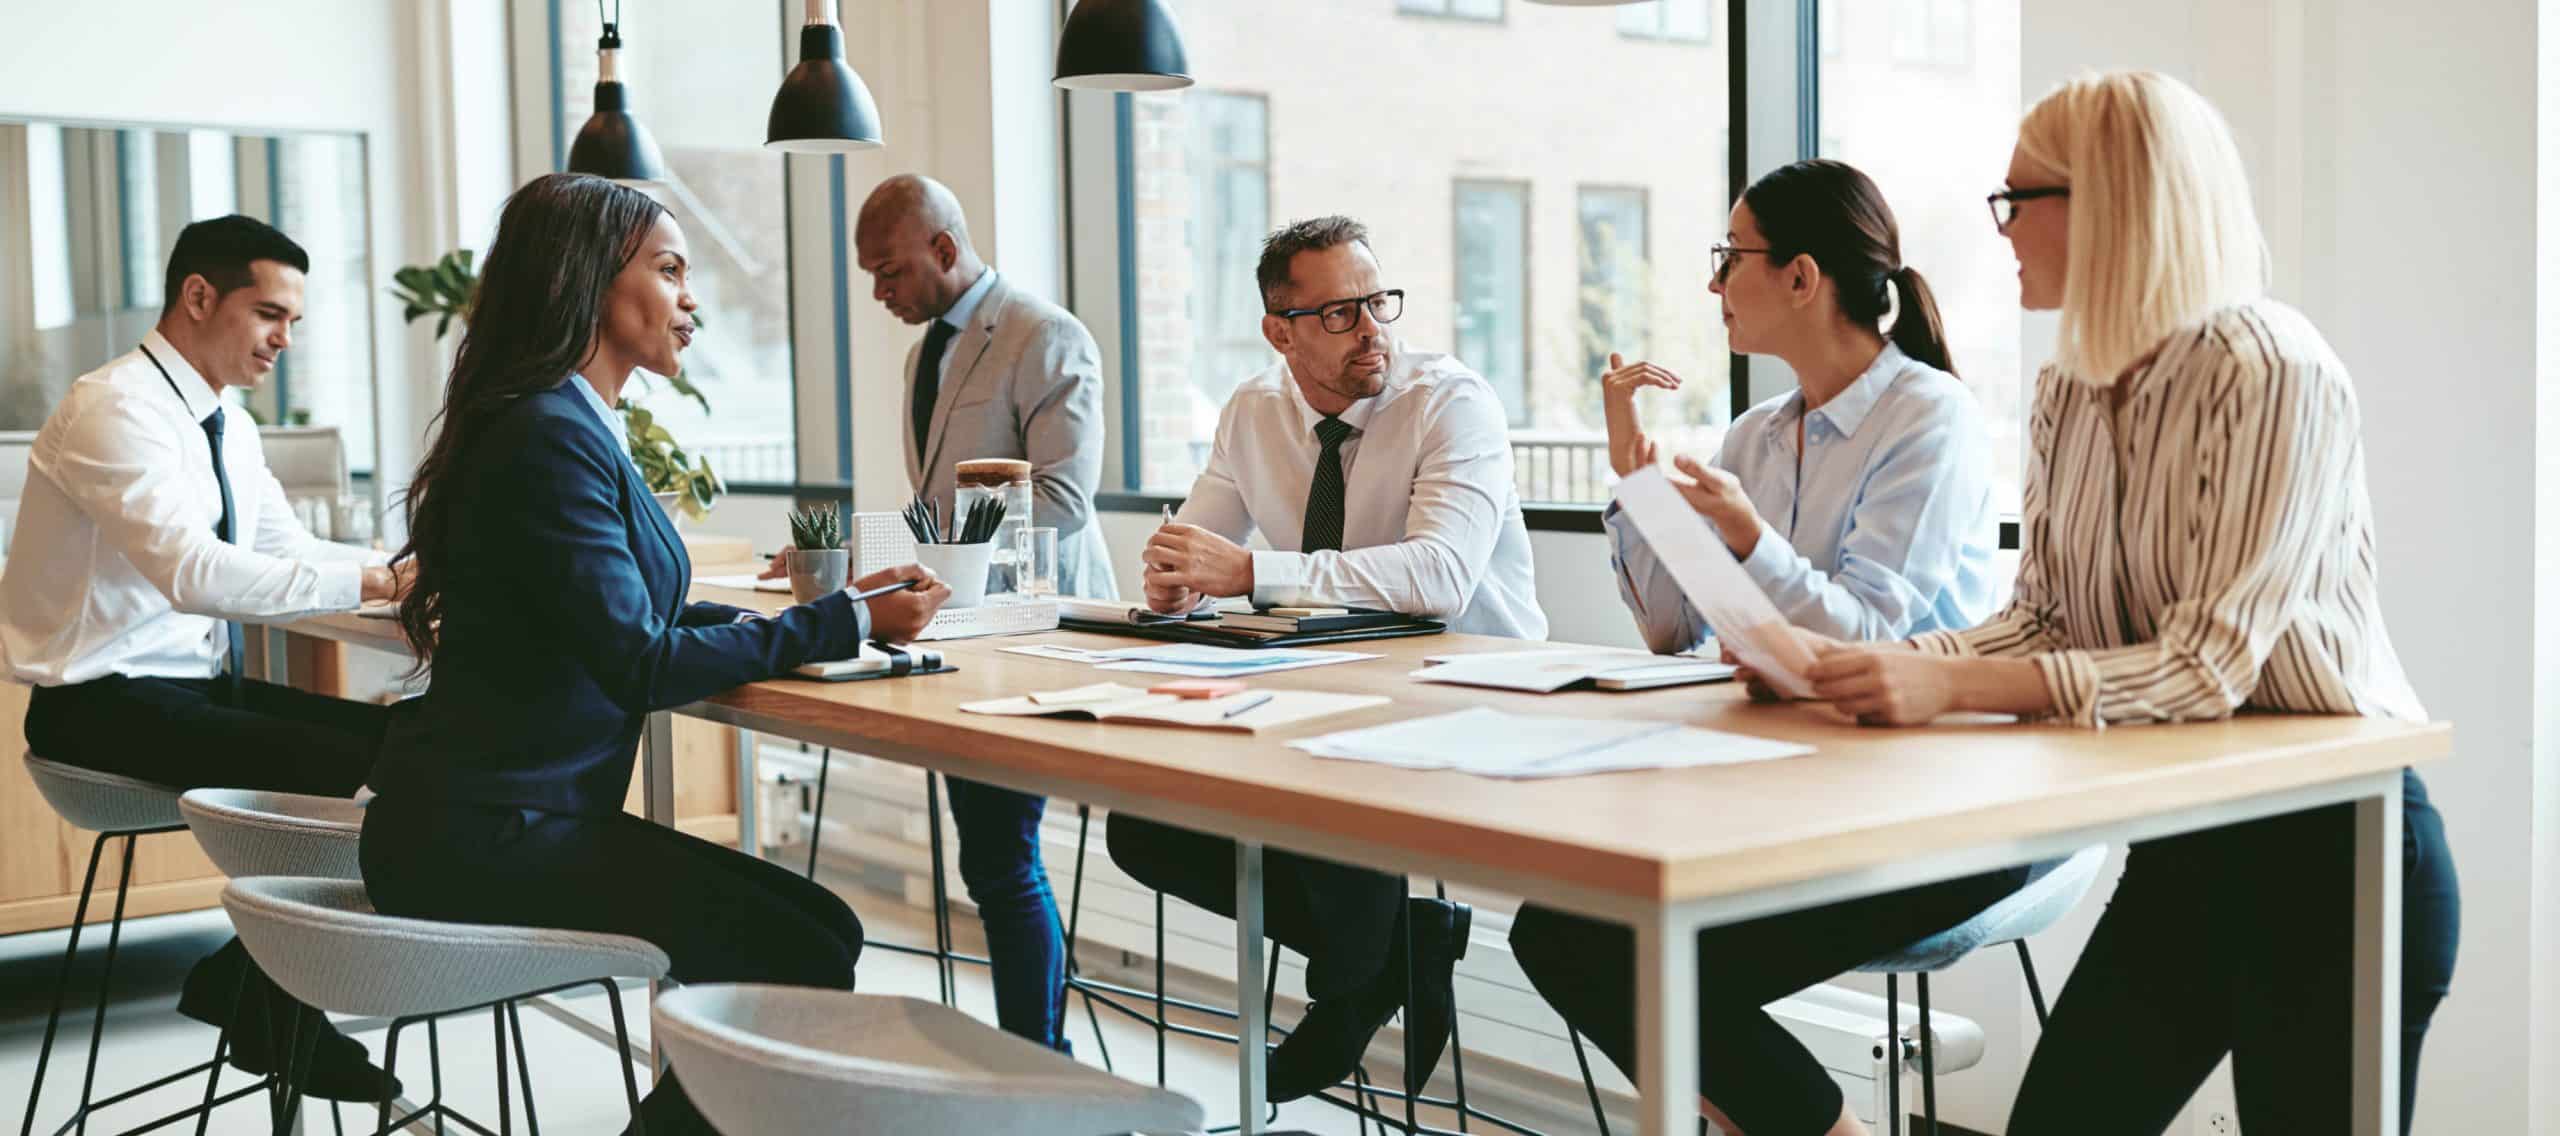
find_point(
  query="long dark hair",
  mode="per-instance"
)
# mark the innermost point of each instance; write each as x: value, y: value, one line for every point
x: 1833, y: 213
x: 561, y: 241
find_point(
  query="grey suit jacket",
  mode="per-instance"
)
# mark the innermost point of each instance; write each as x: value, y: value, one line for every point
x: 1023, y: 381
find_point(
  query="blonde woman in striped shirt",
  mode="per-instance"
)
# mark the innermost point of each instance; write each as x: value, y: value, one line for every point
x: 2198, y: 541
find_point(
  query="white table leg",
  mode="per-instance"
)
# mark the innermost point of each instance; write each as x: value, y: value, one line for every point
x: 1667, y: 1023
x: 2377, y: 962
x: 1250, y: 1023
x: 658, y: 769
x: 750, y: 795
x: 658, y: 805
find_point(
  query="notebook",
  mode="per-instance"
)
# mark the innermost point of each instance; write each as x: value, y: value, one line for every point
x: 1544, y: 672
x: 1273, y: 620
x: 1117, y: 612
x: 1245, y: 713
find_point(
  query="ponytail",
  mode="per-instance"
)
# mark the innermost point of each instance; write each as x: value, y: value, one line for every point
x: 1917, y: 329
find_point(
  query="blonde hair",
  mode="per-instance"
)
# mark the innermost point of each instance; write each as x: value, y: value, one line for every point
x: 2162, y: 230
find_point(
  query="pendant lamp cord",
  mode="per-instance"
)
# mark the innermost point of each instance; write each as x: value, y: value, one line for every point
x: 616, y: 22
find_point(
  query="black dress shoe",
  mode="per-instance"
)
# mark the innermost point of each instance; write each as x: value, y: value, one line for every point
x: 260, y: 1024
x: 1329, y: 1041
x: 1439, y: 940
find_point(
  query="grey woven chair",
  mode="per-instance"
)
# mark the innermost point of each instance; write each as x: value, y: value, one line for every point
x: 791, y: 1060
x: 113, y: 807
x: 324, y: 944
x: 250, y: 832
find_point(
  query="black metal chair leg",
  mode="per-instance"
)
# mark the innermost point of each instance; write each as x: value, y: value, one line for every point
x: 1160, y: 1021
x: 941, y: 891
x: 2035, y: 992
x: 498, y: 1027
x: 106, y: 986
x: 1893, y: 1054
x: 1589, y: 1086
x: 622, y: 1053
x: 62, y: 981
x: 1075, y: 914
x: 391, y: 1065
x: 524, y: 1072
x: 1404, y: 891
x: 221, y: 1051
x: 1928, y: 1061
x: 1457, y: 1044
x: 435, y: 1071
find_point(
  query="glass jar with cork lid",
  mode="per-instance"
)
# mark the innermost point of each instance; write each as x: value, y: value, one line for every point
x: 1007, y: 480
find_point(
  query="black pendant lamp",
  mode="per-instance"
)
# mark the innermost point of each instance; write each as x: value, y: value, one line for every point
x: 823, y: 107
x: 1121, y: 45
x: 613, y: 144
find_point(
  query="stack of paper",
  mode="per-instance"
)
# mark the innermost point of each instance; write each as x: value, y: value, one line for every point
x: 1544, y: 672
x: 1491, y: 743
x: 1247, y: 712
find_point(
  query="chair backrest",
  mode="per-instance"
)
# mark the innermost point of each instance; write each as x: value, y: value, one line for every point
x: 324, y: 944
x: 104, y: 802
x: 775, y: 1060
x: 250, y: 832
x: 310, y: 461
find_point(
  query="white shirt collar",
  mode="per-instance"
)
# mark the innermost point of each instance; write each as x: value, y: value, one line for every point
x: 604, y: 414
x: 192, y: 387
x: 965, y: 308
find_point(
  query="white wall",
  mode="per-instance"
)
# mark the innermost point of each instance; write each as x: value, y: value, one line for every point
x: 368, y: 67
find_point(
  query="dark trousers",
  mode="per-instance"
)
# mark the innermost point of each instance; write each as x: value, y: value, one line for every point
x: 185, y: 733
x: 1340, y: 917
x: 721, y: 915
x: 1748, y: 1064
x: 2237, y: 941
x: 1000, y: 865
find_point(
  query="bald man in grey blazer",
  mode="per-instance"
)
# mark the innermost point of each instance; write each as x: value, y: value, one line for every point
x: 1015, y: 376
x: 999, y: 373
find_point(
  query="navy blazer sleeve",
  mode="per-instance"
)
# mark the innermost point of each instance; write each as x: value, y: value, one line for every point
x: 566, y: 516
x: 709, y: 614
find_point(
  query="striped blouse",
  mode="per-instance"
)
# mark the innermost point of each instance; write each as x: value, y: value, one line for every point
x: 2206, y: 545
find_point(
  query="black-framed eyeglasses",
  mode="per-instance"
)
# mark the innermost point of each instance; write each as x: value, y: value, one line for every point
x: 2004, y: 204
x: 1339, y: 316
x: 1726, y: 254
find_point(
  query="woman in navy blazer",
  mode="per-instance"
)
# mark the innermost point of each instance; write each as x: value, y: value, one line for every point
x: 548, y: 605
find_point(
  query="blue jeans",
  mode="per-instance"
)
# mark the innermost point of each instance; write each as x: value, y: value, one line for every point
x: 1000, y: 865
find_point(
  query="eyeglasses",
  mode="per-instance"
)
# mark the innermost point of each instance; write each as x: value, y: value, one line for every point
x: 1726, y: 254
x: 2004, y: 204
x: 1340, y: 316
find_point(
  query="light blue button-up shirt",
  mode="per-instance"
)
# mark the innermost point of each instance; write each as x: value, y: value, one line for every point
x: 605, y: 414
x: 1884, y: 531
x: 962, y: 311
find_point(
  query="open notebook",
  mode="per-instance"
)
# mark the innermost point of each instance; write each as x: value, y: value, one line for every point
x: 1243, y: 713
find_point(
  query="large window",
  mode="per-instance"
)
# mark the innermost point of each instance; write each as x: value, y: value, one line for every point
x: 1615, y: 296
x: 1463, y: 9
x: 1684, y: 20
x: 688, y: 76
x: 1492, y: 287
x: 1936, y: 139
x: 1483, y: 184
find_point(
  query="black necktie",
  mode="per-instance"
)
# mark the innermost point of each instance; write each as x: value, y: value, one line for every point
x: 227, y: 529
x: 1323, y: 532
x: 929, y: 379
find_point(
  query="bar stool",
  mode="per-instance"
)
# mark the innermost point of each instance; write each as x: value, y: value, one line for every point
x: 324, y: 944
x: 2052, y: 889
x: 786, y: 1060
x: 113, y: 807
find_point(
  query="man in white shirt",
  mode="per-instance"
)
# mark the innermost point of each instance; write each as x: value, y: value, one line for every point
x: 1380, y: 477
x: 150, y: 524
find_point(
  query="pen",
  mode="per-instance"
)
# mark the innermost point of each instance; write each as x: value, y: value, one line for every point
x: 1256, y: 704
x: 885, y: 589
x: 1168, y: 514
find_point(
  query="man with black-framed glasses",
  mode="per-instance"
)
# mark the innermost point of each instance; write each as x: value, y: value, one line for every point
x: 1379, y: 477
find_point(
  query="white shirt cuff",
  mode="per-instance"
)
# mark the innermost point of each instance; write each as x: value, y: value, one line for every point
x: 1770, y: 556
x: 1278, y: 577
x: 341, y: 586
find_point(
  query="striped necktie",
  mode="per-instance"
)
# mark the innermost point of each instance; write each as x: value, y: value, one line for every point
x: 1323, y: 531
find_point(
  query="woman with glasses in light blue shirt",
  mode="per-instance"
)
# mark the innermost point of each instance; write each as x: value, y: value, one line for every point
x: 1861, y: 500
x: 1861, y: 503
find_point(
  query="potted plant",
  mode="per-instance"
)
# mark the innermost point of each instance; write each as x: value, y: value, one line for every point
x: 817, y: 558
x: 682, y: 482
